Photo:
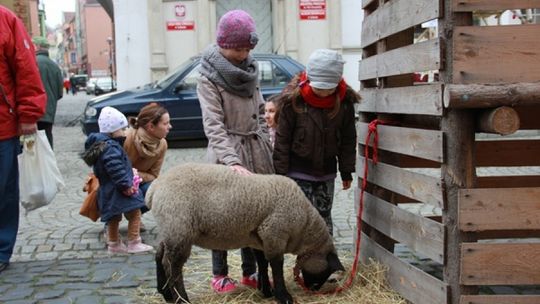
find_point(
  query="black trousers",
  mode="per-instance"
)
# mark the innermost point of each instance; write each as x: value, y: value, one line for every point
x: 47, y: 126
x: 220, y: 266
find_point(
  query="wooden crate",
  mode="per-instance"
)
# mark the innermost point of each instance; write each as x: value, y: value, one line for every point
x: 429, y: 153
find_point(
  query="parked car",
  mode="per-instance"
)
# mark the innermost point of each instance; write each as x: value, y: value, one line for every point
x: 177, y: 93
x: 104, y: 85
x: 90, y: 86
x: 79, y: 81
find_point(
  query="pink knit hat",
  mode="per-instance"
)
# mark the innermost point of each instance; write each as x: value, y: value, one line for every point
x: 236, y: 29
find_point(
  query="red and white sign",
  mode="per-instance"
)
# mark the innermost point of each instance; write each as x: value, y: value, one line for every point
x: 180, y: 25
x: 312, y: 9
x: 180, y: 10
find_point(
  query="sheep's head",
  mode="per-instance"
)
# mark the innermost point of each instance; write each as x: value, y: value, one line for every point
x: 316, y: 269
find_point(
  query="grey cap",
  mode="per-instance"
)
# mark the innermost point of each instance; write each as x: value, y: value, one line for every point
x: 325, y: 69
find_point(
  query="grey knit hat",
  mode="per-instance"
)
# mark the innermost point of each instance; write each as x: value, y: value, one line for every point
x: 325, y: 69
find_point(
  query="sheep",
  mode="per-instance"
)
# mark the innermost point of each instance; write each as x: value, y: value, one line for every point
x: 201, y: 204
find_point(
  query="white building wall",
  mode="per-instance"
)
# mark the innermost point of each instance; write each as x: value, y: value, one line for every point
x: 180, y: 45
x: 132, y: 43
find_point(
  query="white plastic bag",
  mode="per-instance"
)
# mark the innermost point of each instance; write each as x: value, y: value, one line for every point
x: 39, y: 177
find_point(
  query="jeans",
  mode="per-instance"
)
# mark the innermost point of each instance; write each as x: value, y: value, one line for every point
x: 9, y: 196
x: 321, y: 196
x: 220, y: 267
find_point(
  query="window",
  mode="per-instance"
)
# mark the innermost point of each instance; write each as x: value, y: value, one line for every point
x: 190, y: 81
x: 270, y: 75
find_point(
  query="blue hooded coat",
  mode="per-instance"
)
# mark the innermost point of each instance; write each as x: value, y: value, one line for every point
x: 115, y: 174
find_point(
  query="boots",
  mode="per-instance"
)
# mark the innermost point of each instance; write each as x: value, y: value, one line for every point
x: 116, y: 247
x: 137, y: 245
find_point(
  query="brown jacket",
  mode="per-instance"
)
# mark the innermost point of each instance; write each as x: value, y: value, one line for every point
x: 148, y: 167
x: 312, y: 143
x: 235, y: 127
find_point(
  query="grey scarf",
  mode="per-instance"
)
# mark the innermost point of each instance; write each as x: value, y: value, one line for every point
x: 239, y: 80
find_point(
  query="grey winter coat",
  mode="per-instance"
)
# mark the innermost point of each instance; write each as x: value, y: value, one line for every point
x: 235, y: 127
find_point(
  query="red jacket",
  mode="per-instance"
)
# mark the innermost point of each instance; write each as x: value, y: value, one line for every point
x: 22, y: 97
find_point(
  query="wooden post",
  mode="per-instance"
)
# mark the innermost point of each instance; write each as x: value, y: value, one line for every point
x: 491, y: 95
x: 458, y: 170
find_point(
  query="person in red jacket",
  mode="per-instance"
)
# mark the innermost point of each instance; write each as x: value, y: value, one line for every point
x: 22, y: 103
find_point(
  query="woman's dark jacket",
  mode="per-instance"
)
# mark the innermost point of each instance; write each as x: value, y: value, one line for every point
x: 311, y: 142
x: 113, y: 169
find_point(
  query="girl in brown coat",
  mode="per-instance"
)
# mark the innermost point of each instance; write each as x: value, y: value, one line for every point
x: 316, y: 131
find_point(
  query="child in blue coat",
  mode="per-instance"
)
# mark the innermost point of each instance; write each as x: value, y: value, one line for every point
x: 118, y: 193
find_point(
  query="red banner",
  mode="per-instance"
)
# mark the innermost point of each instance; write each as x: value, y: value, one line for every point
x: 312, y: 9
x: 180, y: 25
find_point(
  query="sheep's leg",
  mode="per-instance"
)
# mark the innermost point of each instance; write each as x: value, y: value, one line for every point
x: 280, y: 291
x: 263, y: 282
x: 161, y: 275
x: 176, y: 255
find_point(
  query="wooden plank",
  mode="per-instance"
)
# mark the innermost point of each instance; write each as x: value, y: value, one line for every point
x: 499, y: 209
x: 499, y: 5
x: 409, y: 281
x: 420, y: 234
x: 502, y: 153
x: 500, y: 264
x: 500, y: 299
x: 396, y: 16
x: 421, y: 143
x: 417, y: 186
x: 366, y: 3
x: 512, y: 181
x: 496, y: 54
x: 408, y: 59
x: 423, y: 56
x: 424, y: 100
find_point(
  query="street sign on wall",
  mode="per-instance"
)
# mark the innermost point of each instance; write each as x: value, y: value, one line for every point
x: 312, y: 9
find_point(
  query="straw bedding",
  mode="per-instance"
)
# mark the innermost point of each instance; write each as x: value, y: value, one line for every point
x: 369, y: 286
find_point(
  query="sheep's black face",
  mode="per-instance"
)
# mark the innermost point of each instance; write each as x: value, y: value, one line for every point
x: 316, y: 270
x: 314, y: 281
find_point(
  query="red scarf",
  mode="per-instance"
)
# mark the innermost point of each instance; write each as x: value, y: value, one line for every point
x: 320, y: 102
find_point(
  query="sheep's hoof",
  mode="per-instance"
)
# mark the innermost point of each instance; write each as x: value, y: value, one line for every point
x: 267, y: 292
x: 285, y: 299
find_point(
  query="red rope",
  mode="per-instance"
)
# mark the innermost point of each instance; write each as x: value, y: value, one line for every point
x: 372, y: 130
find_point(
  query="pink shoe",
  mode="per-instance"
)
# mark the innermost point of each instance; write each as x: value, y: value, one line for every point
x: 250, y: 281
x: 116, y: 247
x: 137, y: 245
x: 223, y: 284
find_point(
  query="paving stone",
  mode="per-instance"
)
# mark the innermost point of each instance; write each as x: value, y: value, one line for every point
x: 89, y: 299
x: 47, y: 281
x: 18, y: 293
x: 49, y: 294
x: 118, y: 300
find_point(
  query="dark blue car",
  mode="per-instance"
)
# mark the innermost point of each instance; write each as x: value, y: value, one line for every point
x: 177, y: 93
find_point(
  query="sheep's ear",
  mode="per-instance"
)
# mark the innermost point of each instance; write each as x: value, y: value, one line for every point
x: 334, y: 263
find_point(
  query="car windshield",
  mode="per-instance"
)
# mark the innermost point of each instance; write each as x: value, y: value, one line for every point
x: 166, y: 81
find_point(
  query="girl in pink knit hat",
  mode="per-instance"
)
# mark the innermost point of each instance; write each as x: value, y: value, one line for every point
x: 233, y: 117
